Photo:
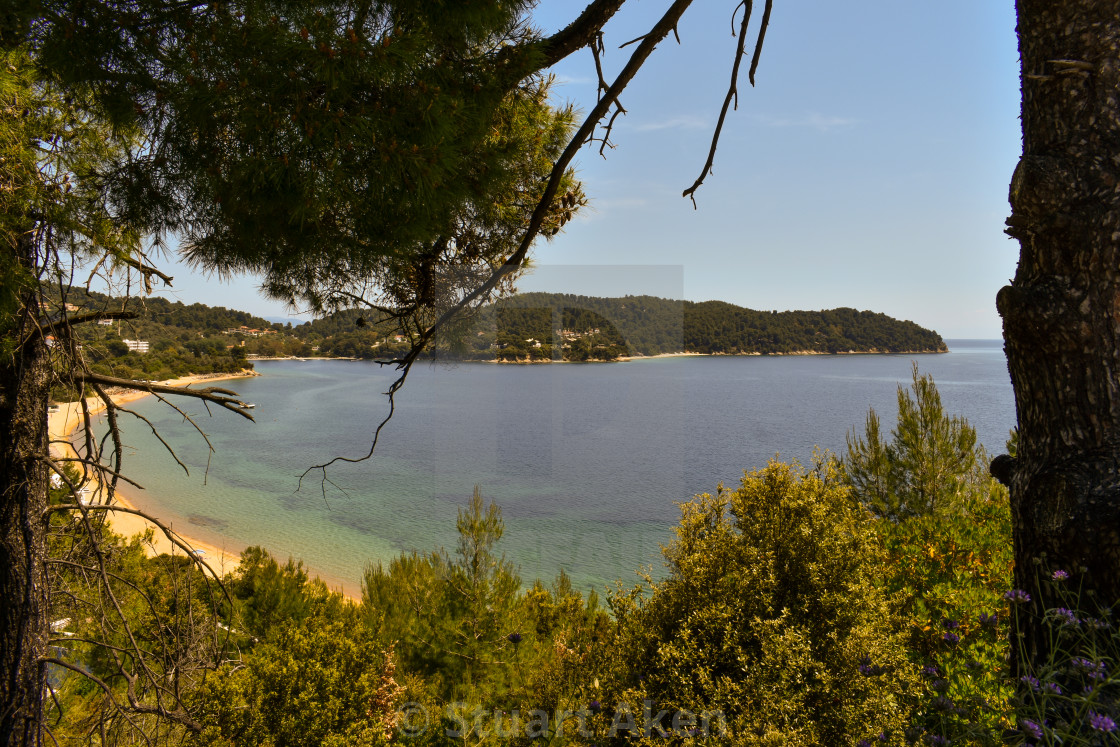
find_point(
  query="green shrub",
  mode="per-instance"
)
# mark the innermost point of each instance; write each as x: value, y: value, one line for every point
x: 945, y: 529
x: 771, y: 615
x: 946, y: 576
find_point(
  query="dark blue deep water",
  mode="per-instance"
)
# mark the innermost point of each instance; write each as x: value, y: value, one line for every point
x: 586, y: 461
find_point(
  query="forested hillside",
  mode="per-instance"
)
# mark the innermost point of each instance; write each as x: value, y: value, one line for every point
x: 718, y: 327
x: 167, y: 339
x: 581, y: 327
x: 532, y: 326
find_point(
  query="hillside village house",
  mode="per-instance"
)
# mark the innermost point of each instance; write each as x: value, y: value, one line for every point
x: 136, y: 346
x: 247, y: 332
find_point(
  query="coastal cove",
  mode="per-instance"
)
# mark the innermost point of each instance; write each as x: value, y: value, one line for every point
x: 63, y: 424
x: 587, y: 462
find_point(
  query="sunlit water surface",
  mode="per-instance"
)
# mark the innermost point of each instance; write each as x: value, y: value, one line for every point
x: 586, y: 461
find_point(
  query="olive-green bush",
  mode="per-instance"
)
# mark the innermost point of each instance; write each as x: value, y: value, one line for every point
x: 771, y: 615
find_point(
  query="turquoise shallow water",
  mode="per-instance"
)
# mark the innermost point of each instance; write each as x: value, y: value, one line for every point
x: 586, y: 461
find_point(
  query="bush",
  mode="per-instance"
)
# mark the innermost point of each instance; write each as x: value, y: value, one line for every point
x: 770, y: 615
x: 947, y: 576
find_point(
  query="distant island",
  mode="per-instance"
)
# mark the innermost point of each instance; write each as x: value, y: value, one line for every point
x: 170, y: 339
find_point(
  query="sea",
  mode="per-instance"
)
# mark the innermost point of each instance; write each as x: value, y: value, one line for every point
x: 588, y: 462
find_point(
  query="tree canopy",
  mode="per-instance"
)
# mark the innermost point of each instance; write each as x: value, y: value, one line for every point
x: 384, y: 152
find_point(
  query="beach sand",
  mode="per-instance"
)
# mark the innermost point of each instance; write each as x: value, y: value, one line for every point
x: 62, y: 425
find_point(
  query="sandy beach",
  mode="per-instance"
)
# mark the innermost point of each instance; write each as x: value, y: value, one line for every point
x: 68, y: 418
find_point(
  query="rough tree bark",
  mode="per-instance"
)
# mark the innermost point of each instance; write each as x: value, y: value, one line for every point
x: 1061, y: 313
x: 24, y: 624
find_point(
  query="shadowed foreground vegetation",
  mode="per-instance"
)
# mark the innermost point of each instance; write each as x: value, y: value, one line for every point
x: 852, y: 601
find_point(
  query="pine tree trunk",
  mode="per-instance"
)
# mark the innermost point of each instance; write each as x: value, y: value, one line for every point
x: 1061, y: 314
x: 24, y: 624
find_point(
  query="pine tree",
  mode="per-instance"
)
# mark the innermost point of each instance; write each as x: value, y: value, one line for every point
x: 930, y: 462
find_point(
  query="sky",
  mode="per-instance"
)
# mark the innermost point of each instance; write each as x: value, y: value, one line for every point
x: 868, y: 167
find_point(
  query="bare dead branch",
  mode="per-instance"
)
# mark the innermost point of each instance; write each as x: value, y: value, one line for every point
x: 732, y: 89
x: 217, y: 395
x: 667, y: 22
x: 115, y: 433
x: 156, y: 433
x: 514, y: 261
x: 171, y: 535
x: 93, y: 316
x: 404, y: 366
x: 606, y: 143
x: 178, y: 715
x: 635, y: 40
x: 146, y: 270
x: 761, y: 38
x: 92, y: 464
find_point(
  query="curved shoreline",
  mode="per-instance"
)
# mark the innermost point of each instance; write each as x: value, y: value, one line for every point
x: 61, y: 426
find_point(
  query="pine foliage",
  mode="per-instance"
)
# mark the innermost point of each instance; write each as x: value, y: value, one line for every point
x: 931, y: 461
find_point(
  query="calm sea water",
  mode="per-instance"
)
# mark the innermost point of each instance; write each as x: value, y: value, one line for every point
x: 586, y: 461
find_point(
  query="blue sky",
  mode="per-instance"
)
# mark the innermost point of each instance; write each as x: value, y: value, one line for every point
x: 868, y: 168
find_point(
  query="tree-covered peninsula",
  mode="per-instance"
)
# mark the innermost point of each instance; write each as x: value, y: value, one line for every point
x: 542, y: 327
x: 570, y: 327
x: 168, y: 338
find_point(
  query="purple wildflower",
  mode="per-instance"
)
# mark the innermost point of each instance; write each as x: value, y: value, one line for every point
x: 1051, y: 688
x: 930, y: 671
x: 1065, y: 616
x: 867, y: 669
x: 1059, y: 575
x: 1100, y: 722
x: 951, y: 624
x: 989, y: 621
x: 936, y: 740
x: 951, y: 638
x: 514, y: 638
x: 1031, y: 728
x: 1017, y: 596
x: 594, y: 706
x: 1094, y: 669
x: 1095, y: 624
x: 913, y: 734
x: 943, y: 704
x: 1032, y: 682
